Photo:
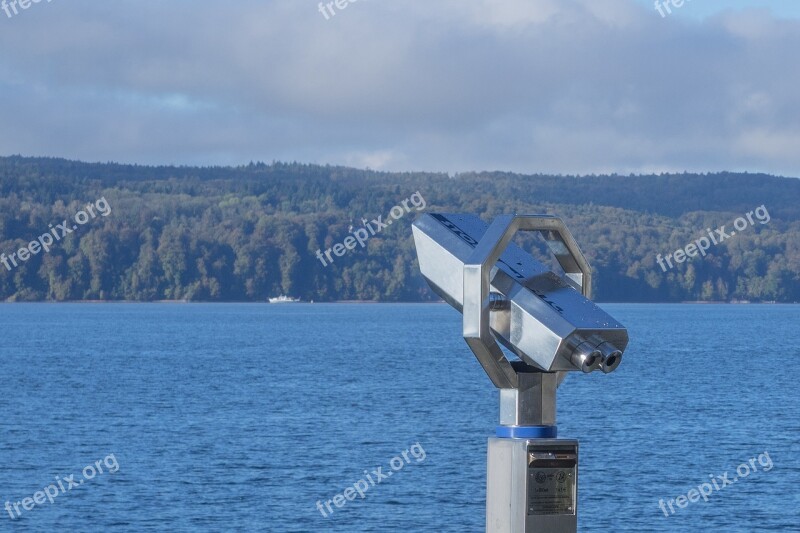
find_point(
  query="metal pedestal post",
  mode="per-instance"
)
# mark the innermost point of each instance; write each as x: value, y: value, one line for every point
x: 532, y: 477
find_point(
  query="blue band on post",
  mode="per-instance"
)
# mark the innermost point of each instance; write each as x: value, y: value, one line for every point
x: 527, y: 432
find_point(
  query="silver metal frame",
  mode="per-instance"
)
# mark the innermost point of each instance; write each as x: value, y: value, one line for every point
x: 510, y: 299
x: 477, y: 303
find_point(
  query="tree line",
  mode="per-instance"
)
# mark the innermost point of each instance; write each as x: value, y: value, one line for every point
x: 249, y: 232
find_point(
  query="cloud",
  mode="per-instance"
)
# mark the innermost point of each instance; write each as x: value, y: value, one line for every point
x: 570, y: 86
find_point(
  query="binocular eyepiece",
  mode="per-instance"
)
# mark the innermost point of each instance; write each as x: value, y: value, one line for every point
x: 604, y: 356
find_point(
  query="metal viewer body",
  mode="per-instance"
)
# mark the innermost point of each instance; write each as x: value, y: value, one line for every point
x: 548, y: 322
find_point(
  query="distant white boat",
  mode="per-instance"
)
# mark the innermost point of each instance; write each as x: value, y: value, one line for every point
x: 283, y: 299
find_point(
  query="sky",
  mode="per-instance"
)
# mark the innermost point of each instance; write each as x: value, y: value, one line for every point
x: 551, y: 86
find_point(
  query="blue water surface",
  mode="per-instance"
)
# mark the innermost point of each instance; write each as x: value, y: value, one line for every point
x: 241, y: 417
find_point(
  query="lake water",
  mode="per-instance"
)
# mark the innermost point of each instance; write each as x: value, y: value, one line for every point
x: 241, y: 417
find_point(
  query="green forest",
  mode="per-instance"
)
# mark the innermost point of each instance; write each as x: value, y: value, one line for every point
x: 250, y: 232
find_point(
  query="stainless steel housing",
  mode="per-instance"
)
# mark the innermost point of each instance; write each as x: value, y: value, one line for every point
x: 506, y: 295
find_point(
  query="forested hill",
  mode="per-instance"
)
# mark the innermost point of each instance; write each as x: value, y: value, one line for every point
x: 246, y: 233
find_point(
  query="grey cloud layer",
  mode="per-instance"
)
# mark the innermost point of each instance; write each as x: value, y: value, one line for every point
x: 525, y: 85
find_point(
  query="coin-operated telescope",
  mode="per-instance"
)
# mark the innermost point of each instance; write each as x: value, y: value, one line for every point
x: 549, y: 323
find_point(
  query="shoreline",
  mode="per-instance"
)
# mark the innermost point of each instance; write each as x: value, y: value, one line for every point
x: 358, y: 302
